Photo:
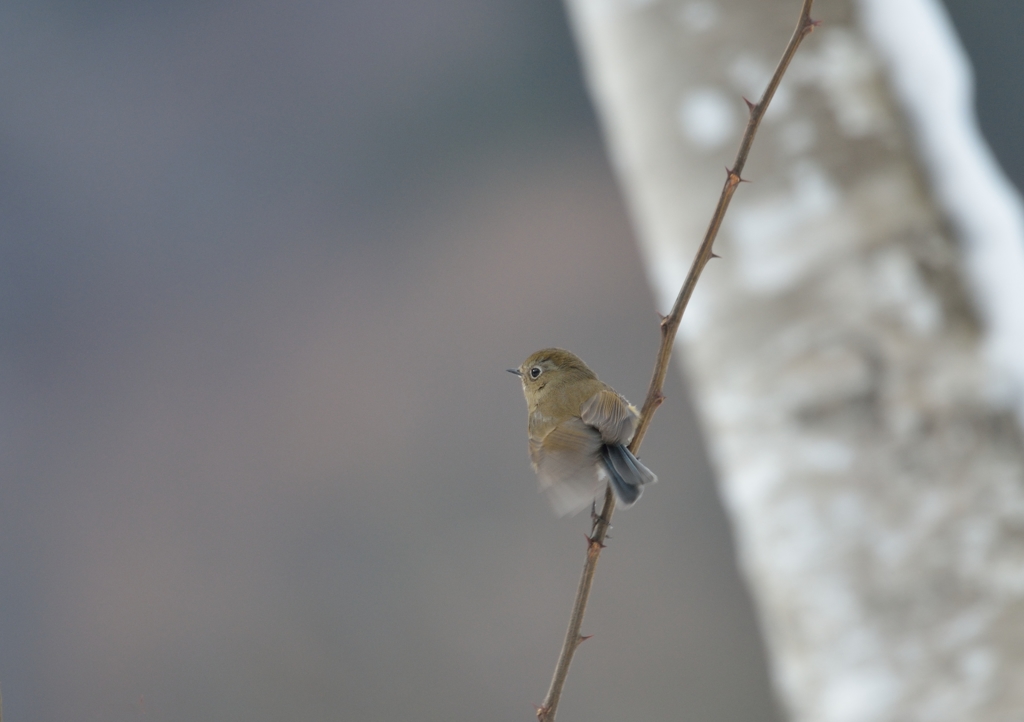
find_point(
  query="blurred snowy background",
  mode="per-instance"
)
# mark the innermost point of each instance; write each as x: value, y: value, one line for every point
x: 263, y: 266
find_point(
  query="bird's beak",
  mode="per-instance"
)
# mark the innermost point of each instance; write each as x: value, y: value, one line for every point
x: 517, y: 372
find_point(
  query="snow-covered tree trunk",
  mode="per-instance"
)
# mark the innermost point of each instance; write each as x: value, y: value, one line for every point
x: 857, y: 354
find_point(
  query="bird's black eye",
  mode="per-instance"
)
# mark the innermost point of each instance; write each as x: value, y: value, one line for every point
x: 535, y: 372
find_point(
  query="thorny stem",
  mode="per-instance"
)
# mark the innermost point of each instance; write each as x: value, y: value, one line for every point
x: 669, y: 327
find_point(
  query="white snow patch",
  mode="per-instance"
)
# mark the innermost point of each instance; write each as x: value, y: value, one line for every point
x: 825, y: 455
x: 728, y: 407
x: 772, y: 256
x: 932, y: 76
x: 749, y: 484
x: 699, y: 17
x: 844, y: 69
x: 797, y: 546
x: 861, y: 694
x: 899, y: 286
x: 977, y: 665
x: 707, y: 118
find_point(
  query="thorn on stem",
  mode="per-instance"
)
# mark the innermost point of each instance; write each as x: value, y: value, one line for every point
x: 714, y: 255
x: 583, y: 638
x: 591, y: 541
x: 750, y: 106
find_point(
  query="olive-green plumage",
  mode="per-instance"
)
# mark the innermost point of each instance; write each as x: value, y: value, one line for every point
x: 578, y: 430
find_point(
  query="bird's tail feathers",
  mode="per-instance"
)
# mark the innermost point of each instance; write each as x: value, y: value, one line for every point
x: 626, y: 474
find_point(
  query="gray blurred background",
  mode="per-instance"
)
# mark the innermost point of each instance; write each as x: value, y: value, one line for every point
x: 262, y: 267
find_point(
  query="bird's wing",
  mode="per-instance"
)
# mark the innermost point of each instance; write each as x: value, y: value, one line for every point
x: 566, y: 461
x: 613, y: 416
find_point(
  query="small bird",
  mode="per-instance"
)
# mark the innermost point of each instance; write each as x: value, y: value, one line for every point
x: 579, y: 428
